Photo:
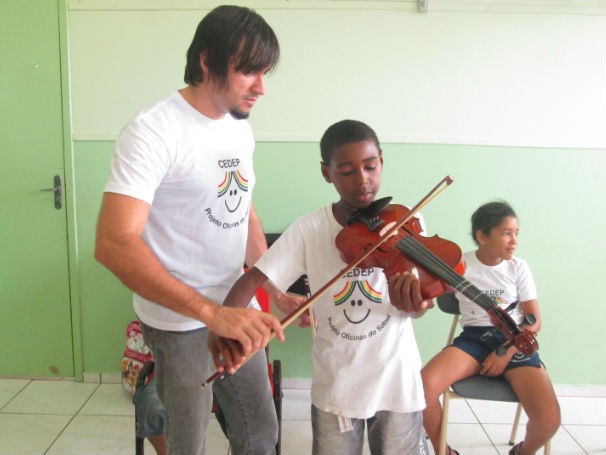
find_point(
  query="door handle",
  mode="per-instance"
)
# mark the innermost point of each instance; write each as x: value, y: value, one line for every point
x: 57, y: 190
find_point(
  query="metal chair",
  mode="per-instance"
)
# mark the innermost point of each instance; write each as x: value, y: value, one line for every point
x: 475, y: 387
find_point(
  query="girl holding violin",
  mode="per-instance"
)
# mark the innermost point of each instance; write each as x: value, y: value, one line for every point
x: 366, y: 364
x: 508, y: 280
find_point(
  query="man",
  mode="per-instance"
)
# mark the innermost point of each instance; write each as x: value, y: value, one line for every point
x: 177, y: 224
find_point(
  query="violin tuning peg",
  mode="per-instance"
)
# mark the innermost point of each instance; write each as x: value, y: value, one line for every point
x: 529, y: 319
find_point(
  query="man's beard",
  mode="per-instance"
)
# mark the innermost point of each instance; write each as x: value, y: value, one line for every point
x: 239, y: 115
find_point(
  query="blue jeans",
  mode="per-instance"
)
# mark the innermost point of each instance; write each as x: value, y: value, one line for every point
x: 245, y: 408
x: 388, y: 433
x: 183, y: 363
x: 149, y: 411
x: 478, y: 342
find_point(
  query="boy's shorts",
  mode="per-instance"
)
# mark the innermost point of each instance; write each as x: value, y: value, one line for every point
x: 478, y: 342
x: 149, y: 410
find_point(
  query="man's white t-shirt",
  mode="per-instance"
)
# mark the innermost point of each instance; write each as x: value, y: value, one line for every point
x: 197, y: 175
x: 365, y: 355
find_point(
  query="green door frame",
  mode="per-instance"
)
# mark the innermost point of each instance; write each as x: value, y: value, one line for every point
x: 70, y: 194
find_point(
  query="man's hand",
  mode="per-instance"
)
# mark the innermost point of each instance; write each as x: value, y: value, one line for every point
x: 251, y: 328
x: 405, y: 294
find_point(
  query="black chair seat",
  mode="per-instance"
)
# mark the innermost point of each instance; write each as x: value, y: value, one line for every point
x: 485, y: 388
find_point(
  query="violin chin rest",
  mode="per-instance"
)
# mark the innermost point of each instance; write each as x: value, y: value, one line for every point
x: 370, y: 211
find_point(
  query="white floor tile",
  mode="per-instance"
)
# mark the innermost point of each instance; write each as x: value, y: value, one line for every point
x: 459, y: 411
x: 583, y: 410
x: 296, y: 405
x: 495, y: 411
x: 9, y: 388
x: 296, y: 437
x: 109, y: 399
x: 29, y: 433
x: 66, y: 417
x: 51, y: 397
x: 96, y: 435
x: 591, y: 437
x: 469, y: 439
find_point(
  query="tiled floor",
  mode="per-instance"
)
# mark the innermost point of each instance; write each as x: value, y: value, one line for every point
x: 66, y: 417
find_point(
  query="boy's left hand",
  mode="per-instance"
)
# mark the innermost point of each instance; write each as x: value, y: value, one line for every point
x: 405, y: 294
x: 288, y: 302
x: 227, y: 354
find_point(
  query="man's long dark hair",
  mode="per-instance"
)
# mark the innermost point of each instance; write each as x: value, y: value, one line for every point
x: 231, y: 35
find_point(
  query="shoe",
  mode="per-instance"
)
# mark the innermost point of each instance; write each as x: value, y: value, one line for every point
x: 515, y: 450
x: 451, y: 451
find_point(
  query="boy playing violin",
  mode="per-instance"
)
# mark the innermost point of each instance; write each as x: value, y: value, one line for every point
x: 497, y: 272
x: 366, y: 372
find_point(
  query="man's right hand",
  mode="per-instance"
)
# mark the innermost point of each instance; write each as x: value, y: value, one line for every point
x: 253, y: 329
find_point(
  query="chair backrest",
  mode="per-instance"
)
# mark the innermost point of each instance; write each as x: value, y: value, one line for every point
x: 448, y: 303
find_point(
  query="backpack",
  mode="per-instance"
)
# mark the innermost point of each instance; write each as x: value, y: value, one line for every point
x: 136, y: 354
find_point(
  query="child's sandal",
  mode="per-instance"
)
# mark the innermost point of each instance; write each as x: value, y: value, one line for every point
x: 515, y: 450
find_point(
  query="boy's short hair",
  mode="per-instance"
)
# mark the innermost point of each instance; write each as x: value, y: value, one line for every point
x: 231, y: 34
x: 488, y: 216
x: 345, y: 132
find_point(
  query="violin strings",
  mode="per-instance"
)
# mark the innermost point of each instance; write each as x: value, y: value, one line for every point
x: 438, y: 267
x: 441, y: 269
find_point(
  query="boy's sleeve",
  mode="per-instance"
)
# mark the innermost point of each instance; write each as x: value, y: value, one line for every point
x: 284, y: 262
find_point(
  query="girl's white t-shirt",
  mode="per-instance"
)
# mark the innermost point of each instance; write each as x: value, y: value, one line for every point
x: 507, y: 282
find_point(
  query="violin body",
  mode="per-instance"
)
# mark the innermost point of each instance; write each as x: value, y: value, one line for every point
x: 354, y: 240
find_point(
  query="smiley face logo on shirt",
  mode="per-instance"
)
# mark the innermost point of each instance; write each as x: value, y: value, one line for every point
x: 356, y: 298
x: 230, y: 189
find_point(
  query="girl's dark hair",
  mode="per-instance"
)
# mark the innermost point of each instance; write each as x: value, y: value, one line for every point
x: 345, y: 132
x: 488, y: 216
x: 231, y: 34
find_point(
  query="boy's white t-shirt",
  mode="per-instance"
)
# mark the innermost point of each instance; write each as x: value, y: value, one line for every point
x: 507, y: 282
x: 197, y: 175
x: 365, y: 356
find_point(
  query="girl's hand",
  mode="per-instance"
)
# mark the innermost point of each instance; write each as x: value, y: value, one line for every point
x: 494, y: 365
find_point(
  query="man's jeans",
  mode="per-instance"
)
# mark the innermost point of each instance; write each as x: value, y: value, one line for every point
x: 247, y: 412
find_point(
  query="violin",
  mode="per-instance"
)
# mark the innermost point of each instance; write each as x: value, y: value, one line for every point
x: 437, y: 262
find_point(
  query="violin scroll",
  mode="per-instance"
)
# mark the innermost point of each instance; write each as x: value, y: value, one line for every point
x: 524, y: 341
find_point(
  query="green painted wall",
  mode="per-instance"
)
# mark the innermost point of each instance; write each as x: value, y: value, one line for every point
x: 518, y: 76
x: 559, y: 194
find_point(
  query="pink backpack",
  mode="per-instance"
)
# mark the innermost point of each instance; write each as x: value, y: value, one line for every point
x: 136, y: 354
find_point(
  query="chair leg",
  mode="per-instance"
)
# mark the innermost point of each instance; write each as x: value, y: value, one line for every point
x: 444, y: 424
x: 547, y: 448
x: 516, y: 421
x: 277, y: 395
x: 139, y: 444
